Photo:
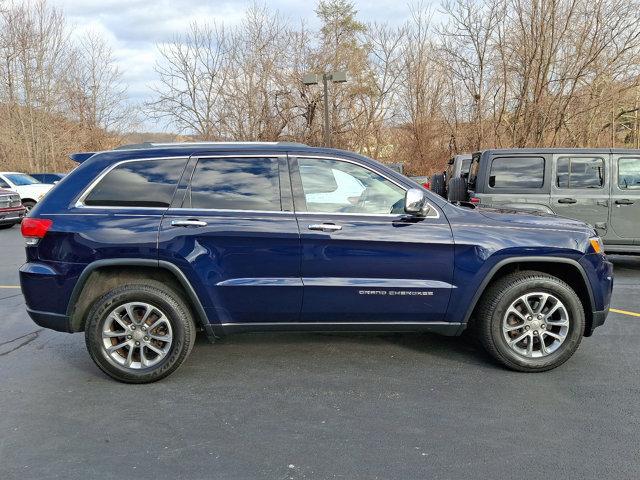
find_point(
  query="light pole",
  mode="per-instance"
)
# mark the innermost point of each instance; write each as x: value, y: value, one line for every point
x: 314, y: 79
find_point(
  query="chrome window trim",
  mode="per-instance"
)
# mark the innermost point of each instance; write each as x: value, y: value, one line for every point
x: 354, y: 162
x: 222, y: 210
x: 83, y: 195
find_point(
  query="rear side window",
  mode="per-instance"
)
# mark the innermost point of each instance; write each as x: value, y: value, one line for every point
x: 144, y: 183
x: 517, y: 172
x: 235, y: 184
x: 629, y: 173
x: 580, y: 172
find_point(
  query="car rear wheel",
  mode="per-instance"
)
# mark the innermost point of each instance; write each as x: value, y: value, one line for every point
x: 530, y: 321
x: 28, y: 205
x: 139, y: 333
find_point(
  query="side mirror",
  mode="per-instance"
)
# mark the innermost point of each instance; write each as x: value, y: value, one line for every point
x: 415, y: 202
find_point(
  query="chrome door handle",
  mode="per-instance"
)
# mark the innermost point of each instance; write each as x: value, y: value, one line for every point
x: 188, y: 223
x: 325, y: 227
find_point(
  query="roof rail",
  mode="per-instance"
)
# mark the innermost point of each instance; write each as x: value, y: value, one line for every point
x: 137, y: 146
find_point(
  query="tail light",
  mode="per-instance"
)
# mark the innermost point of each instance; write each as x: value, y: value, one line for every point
x: 427, y: 185
x: 475, y: 200
x: 33, y: 229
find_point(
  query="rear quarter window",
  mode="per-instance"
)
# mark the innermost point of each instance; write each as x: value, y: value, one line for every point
x: 516, y: 173
x: 139, y: 183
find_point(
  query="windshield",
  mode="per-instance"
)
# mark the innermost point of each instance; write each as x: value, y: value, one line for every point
x: 20, y: 179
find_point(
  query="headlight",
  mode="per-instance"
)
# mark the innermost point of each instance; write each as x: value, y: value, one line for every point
x: 596, y: 245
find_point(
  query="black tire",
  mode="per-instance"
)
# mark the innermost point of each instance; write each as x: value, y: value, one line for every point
x: 168, y: 302
x: 437, y: 184
x: 457, y: 190
x: 28, y: 204
x: 499, y: 297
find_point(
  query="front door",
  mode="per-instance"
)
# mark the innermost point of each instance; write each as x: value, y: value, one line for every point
x: 233, y: 232
x: 625, y: 198
x: 363, y: 260
x: 580, y: 189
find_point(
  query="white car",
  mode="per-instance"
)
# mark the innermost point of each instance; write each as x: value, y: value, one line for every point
x: 29, y: 189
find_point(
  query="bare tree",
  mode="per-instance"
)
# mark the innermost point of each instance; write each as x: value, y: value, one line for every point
x: 191, y: 72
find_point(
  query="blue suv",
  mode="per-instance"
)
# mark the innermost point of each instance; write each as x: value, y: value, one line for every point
x: 141, y: 247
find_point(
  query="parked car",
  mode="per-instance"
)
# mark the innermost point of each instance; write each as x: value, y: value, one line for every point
x: 145, y: 246
x: 11, y: 209
x: 597, y: 186
x: 457, y: 166
x: 31, y: 191
x: 423, y: 180
x: 48, y: 177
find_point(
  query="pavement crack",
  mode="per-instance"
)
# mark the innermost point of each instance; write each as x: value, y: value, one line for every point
x: 11, y: 296
x: 27, y: 338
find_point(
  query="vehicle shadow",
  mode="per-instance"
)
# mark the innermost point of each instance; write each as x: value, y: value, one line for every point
x: 463, y: 349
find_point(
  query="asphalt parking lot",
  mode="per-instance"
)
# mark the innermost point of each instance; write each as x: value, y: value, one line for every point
x: 319, y: 406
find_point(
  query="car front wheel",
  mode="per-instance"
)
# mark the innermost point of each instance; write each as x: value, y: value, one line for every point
x: 530, y: 321
x: 139, y: 333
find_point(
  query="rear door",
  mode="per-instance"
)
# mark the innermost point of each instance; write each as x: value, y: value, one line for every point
x: 625, y: 198
x: 364, y: 261
x: 233, y: 232
x: 580, y: 189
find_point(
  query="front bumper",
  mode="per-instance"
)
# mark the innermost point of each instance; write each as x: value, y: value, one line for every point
x: 597, y: 319
x: 11, y: 215
x: 600, y: 276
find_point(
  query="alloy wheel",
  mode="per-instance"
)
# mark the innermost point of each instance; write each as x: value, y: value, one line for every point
x: 536, y: 324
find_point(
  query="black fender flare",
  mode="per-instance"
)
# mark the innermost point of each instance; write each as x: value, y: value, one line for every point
x: 139, y: 262
x: 506, y: 261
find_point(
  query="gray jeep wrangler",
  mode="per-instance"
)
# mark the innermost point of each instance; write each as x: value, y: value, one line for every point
x: 457, y: 167
x: 598, y: 186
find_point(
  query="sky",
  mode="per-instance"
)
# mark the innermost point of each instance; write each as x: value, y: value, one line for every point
x: 134, y: 28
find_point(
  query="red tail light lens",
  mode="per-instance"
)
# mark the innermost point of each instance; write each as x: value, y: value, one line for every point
x: 474, y: 200
x: 427, y: 185
x: 35, y: 227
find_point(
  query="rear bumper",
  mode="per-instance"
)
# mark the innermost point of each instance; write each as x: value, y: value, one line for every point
x: 54, y: 321
x: 46, y: 288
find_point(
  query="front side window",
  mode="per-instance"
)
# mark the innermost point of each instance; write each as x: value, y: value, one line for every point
x: 580, y: 172
x: 235, y: 184
x: 629, y: 173
x: 517, y: 172
x: 332, y: 186
x: 145, y: 183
